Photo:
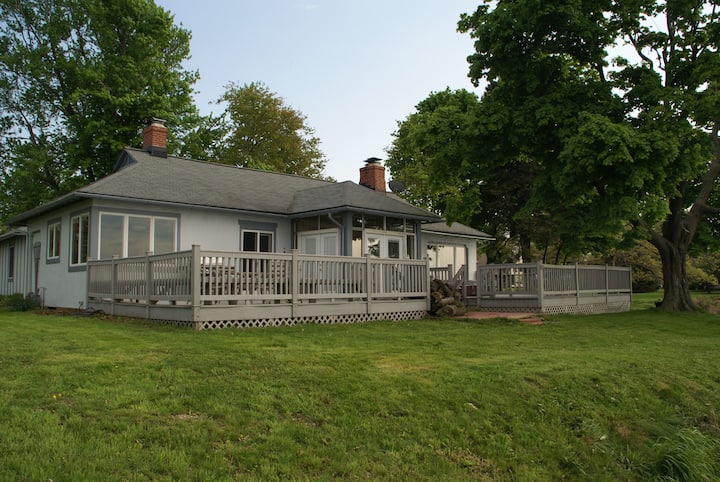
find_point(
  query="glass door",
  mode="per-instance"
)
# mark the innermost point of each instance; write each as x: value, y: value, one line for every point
x: 383, y: 245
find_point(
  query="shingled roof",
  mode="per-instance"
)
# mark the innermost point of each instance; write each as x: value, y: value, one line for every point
x: 456, y: 229
x: 140, y: 176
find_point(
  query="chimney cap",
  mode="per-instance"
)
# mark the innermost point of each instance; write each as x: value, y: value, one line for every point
x: 157, y: 120
x: 372, y: 160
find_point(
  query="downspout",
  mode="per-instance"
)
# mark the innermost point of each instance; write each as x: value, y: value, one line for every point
x: 342, y: 231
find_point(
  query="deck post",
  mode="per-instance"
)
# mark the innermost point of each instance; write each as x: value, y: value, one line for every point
x: 540, y: 285
x: 607, y: 284
x: 368, y: 282
x: 295, y: 282
x: 148, y: 283
x: 427, y: 284
x: 195, y: 286
x: 88, y: 277
x: 577, y: 284
x: 113, y: 283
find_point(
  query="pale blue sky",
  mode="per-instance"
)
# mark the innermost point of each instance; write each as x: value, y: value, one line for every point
x: 353, y: 68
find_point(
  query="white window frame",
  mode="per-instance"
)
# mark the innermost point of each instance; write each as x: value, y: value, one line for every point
x: 125, y: 235
x: 384, y: 237
x: 54, y: 240
x: 81, y: 240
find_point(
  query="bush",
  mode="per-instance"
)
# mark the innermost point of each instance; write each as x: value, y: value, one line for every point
x: 644, y: 260
x: 19, y: 302
x: 700, y: 280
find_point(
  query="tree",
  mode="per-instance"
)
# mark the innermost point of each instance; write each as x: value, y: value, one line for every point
x: 439, y: 154
x: 644, y: 260
x: 622, y: 145
x: 78, y: 80
x: 264, y: 133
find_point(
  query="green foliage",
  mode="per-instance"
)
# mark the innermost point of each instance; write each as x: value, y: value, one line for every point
x: 78, y: 79
x: 440, y: 153
x: 699, y: 279
x: 644, y: 260
x: 579, y: 398
x: 708, y: 262
x: 264, y: 133
x: 629, y: 142
x: 19, y: 302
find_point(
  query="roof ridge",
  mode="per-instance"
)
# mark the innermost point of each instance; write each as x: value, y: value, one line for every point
x: 230, y: 166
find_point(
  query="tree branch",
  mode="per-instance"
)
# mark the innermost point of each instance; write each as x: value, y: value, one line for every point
x: 640, y: 53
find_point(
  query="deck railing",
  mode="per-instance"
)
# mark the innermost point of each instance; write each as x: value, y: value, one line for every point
x: 199, y: 278
x: 542, y: 287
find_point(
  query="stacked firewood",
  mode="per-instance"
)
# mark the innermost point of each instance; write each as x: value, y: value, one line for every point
x: 445, y: 299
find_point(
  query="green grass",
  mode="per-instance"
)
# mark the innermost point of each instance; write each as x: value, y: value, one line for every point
x: 631, y: 396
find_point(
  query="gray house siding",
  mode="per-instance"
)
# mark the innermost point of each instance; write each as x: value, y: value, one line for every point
x: 14, y: 264
x: 64, y: 285
x: 57, y: 283
x: 165, y: 204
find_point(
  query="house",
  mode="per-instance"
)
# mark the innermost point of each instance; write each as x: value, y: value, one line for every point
x: 15, y: 262
x: 156, y: 203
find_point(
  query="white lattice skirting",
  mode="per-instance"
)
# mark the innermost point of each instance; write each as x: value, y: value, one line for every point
x: 321, y: 320
x: 589, y: 309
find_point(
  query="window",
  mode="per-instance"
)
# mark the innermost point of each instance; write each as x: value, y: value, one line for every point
x: 138, y: 236
x: 320, y: 243
x: 11, y: 262
x: 79, y: 239
x: 257, y: 241
x: 384, y: 245
x: 112, y: 239
x: 53, y: 243
x: 164, y: 235
x: 410, y: 248
x: 395, y: 224
x: 127, y: 235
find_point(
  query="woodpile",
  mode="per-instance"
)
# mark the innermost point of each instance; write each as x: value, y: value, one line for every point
x: 445, y: 299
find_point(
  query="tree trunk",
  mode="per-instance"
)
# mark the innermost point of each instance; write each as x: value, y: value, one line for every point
x: 526, y: 248
x: 676, y: 288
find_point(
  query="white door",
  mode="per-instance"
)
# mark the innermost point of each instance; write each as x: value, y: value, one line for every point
x: 384, y: 245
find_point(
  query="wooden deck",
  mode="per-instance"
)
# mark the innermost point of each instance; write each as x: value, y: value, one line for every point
x: 542, y: 288
x: 216, y: 289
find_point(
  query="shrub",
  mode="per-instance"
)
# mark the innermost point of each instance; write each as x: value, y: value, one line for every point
x: 644, y: 260
x: 699, y: 279
x: 19, y: 302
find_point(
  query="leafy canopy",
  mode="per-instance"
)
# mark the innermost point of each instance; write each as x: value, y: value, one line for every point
x: 622, y: 139
x: 611, y: 108
x: 265, y: 133
x: 78, y: 79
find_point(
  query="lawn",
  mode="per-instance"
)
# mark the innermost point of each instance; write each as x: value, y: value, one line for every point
x: 630, y: 396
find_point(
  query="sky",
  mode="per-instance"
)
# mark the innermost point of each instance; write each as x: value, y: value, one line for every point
x: 354, y: 69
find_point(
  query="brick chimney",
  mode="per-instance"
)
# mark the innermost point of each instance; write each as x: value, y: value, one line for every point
x: 373, y: 174
x: 155, y: 138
